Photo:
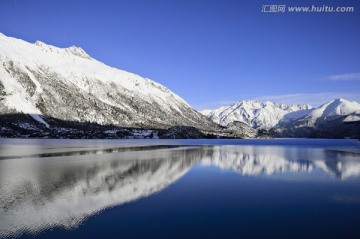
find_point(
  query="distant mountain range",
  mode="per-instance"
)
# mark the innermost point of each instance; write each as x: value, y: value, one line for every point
x: 336, y: 118
x: 257, y: 115
x: 46, y: 91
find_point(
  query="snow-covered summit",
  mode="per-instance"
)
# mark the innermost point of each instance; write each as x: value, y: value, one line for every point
x: 256, y: 114
x: 331, y: 110
x: 78, y: 51
x: 72, y: 50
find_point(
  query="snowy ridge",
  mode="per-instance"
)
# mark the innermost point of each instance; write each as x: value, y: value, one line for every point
x: 270, y: 115
x: 337, y: 118
x: 66, y: 83
x: 332, y: 110
x: 255, y: 114
x: 73, y: 50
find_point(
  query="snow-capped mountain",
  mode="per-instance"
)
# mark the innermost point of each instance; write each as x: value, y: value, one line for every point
x: 331, y: 111
x: 44, y: 89
x: 336, y: 118
x: 43, y: 81
x: 256, y: 114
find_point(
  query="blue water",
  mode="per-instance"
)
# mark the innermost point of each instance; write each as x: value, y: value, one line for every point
x: 289, y: 188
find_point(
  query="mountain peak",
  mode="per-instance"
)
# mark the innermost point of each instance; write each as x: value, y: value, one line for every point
x: 72, y: 50
x: 334, y: 108
x: 47, y: 48
x: 78, y: 51
x: 255, y: 114
x: 40, y: 43
x: 341, y: 100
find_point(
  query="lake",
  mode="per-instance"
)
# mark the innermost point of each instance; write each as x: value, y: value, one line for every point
x: 280, y: 188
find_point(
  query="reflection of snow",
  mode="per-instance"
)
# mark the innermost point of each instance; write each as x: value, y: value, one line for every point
x: 250, y: 160
x: 248, y: 163
x: 66, y: 193
x: 40, y: 193
x: 342, y: 169
x: 351, y: 169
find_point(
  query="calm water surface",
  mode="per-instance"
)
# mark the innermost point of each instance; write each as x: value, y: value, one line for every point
x: 289, y: 188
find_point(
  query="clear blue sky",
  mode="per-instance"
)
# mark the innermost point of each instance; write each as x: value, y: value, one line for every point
x: 209, y: 52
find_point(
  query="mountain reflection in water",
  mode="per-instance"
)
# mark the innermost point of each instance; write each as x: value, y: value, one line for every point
x: 38, y: 193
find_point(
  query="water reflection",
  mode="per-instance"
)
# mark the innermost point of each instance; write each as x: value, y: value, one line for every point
x: 249, y: 160
x: 40, y: 193
x: 77, y: 152
x: 268, y: 160
x: 64, y: 191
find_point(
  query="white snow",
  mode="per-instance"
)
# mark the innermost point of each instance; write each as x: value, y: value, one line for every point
x: 39, y: 119
x: 76, y: 67
x: 333, y: 109
x: 267, y: 115
x: 255, y: 114
x: 352, y: 118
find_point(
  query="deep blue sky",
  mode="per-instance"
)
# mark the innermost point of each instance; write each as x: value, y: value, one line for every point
x: 209, y: 52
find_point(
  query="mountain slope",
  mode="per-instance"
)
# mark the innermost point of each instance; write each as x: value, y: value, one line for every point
x: 335, y: 119
x: 330, y: 111
x: 257, y: 115
x: 67, y: 84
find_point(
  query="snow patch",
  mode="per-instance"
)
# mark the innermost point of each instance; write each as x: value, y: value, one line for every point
x: 39, y: 119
